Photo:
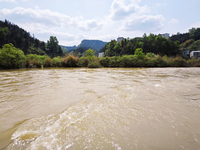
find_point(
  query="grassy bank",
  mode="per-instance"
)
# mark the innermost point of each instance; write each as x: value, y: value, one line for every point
x: 11, y: 58
x: 37, y: 61
x: 158, y: 61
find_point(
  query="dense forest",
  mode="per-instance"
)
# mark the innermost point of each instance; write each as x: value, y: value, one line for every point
x: 21, y: 39
x: 155, y: 44
x: 152, y: 43
x: 193, y: 33
x: 190, y: 40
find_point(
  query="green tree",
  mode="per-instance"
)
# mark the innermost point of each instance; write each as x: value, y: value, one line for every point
x: 11, y: 57
x: 187, y: 43
x: 52, y: 45
x: 89, y: 54
x: 3, y: 32
x: 192, y: 32
x: 110, y: 48
x: 117, y: 48
x: 139, y: 53
x: 195, y: 45
x: 151, y: 46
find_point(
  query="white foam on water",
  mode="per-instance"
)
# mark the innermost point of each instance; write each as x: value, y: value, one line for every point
x: 129, y: 115
x: 79, y: 125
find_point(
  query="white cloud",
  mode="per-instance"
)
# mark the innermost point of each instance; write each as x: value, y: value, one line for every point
x: 134, y: 17
x: 144, y: 23
x: 173, y: 22
x: 8, y: 1
x: 49, y: 18
x: 89, y: 25
x: 43, y: 33
x: 121, y: 9
x: 125, y: 17
x: 160, y: 5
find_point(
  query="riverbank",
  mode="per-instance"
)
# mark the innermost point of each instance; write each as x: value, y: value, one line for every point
x: 37, y: 61
x: 13, y: 58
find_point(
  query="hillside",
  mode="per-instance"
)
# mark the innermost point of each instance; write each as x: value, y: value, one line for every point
x: 69, y: 48
x: 11, y: 33
x: 189, y: 40
x: 96, y: 45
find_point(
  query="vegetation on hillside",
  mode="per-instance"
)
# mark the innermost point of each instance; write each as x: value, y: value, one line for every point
x: 21, y: 39
x: 155, y: 44
x: 152, y: 43
x: 190, y: 40
x: 193, y: 33
x: 11, y: 33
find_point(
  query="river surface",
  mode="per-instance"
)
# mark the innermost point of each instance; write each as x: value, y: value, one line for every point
x: 80, y: 108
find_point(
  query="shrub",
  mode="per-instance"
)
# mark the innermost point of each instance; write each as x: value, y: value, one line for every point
x: 69, y: 61
x: 137, y: 62
x: 32, y: 63
x: 115, y: 61
x: 83, y: 62
x: 34, y: 60
x: 151, y: 55
x: 94, y: 64
x: 126, y: 61
x: 11, y: 57
x: 198, y: 63
x: 160, y: 62
x: 166, y: 57
x: 139, y: 53
x: 57, y: 61
x: 48, y: 62
x: 192, y: 62
x: 179, y: 62
x: 150, y: 62
x: 104, y: 61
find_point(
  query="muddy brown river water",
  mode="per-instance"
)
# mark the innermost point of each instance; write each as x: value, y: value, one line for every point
x: 80, y: 108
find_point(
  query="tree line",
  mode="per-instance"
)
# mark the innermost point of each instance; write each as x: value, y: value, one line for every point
x: 155, y: 44
x: 193, y: 33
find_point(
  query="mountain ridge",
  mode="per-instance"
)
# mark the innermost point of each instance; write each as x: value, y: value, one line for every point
x: 85, y: 44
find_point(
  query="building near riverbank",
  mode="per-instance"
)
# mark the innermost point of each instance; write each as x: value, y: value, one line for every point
x: 119, y: 39
x: 195, y: 54
x: 166, y: 35
x: 101, y: 54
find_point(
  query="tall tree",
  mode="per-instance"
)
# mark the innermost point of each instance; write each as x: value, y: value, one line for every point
x: 52, y: 45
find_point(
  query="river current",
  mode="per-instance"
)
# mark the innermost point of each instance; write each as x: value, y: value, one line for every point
x: 106, y: 108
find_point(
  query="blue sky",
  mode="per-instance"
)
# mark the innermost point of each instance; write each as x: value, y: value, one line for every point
x: 71, y: 21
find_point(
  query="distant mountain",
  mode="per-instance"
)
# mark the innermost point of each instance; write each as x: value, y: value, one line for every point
x: 69, y: 48
x: 96, y: 45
